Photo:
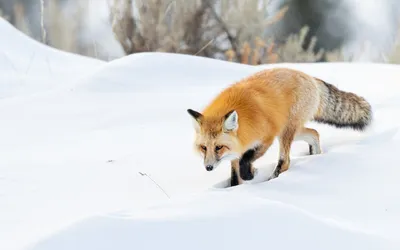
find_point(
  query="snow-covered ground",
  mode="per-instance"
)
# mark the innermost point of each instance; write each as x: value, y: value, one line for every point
x: 81, y: 142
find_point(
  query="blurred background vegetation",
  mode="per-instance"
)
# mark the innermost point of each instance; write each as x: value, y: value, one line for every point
x: 244, y: 31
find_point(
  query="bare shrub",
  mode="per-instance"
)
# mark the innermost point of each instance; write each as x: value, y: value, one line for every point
x: 122, y: 24
x: 233, y: 30
x: 266, y: 51
x: 293, y: 51
x: 202, y: 27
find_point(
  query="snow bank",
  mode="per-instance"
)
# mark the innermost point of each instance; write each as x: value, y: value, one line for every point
x: 71, y: 163
x: 23, y: 59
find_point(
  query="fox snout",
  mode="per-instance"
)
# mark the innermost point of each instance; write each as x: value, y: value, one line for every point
x: 210, y: 164
x: 209, y: 167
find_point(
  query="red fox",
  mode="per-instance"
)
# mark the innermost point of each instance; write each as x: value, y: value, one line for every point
x: 241, y: 123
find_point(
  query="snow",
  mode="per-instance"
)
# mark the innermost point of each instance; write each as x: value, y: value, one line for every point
x: 28, y: 67
x: 74, y: 142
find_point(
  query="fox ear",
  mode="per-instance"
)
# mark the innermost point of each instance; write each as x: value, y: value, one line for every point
x: 196, y: 118
x: 231, y: 121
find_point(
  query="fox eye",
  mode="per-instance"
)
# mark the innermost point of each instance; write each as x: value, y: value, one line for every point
x: 217, y: 148
x: 203, y: 147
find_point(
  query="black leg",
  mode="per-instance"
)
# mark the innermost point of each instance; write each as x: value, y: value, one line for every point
x: 245, y: 164
x: 246, y: 170
x: 278, y: 168
x: 311, y: 149
x: 234, y: 178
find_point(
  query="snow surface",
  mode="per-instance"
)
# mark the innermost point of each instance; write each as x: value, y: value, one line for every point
x: 82, y: 144
x: 27, y: 66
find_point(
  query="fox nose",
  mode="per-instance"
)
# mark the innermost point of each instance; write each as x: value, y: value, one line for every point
x: 209, y: 167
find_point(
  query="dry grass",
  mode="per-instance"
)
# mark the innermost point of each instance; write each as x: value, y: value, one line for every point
x: 293, y: 50
x: 264, y: 52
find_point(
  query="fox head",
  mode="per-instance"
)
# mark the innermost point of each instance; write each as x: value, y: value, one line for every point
x: 216, y: 137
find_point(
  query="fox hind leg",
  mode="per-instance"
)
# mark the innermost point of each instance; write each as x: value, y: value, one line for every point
x: 289, y: 135
x: 310, y: 136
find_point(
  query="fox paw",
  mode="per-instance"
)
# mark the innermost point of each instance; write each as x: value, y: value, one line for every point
x: 314, y: 150
x: 275, y: 174
x: 247, y: 174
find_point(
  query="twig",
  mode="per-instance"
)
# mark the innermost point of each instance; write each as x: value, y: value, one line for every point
x: 42, y: 22
x: 204, y: 47
x: 144, y: 174
x: 279, y: 15
x: 169, y: 6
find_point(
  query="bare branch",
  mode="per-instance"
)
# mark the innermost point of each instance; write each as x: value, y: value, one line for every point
x: 278, y: 16
x: 44, y: 38
x: 204, y: 47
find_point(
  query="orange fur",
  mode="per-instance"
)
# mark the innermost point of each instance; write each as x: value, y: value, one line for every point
x: 270, y: 103
x: 261, y: 105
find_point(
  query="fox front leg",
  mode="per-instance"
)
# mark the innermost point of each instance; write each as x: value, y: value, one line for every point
x: 246, y: 161
x: 235, y: 173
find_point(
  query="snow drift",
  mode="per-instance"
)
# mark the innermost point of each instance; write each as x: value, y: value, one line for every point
x: 27, y: 66
x: 81, y: 161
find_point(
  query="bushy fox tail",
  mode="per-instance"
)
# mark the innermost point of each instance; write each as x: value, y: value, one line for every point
x: 342, y: 109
